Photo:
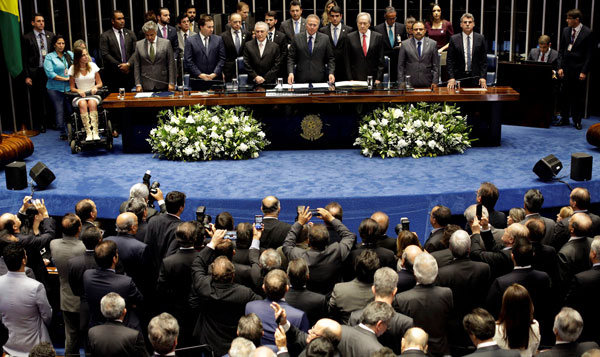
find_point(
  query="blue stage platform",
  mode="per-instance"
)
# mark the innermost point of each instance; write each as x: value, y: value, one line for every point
x: 400, y: 187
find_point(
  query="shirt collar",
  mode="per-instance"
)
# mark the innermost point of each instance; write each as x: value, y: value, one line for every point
x: 486, y: 344
x: 365, y: 327
x: 524, y: 267
x: 575, y: 238
x: 37, y: 33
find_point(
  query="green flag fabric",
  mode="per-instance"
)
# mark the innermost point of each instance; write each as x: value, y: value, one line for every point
x: 11, y: 36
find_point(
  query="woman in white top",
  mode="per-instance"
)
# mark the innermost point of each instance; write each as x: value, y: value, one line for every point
x: 516, y: 328
x: 85, y: 81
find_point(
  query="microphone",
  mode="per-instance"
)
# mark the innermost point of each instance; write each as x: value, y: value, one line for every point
x: 210, y: 350
x: 155, y: 80
x: 460, y: 79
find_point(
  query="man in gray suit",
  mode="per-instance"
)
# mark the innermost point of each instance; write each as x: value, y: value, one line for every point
x: 310, y: 51
x: 481, y: 327
x: 296, y: 24
x: 361, y: 340
x: 154, y: 63
x: 62, y: 250
x: 419, y: 59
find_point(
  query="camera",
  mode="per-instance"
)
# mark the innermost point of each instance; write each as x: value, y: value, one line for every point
x: 202, y: 217
x: 151, y: 186
x: 404, y: 225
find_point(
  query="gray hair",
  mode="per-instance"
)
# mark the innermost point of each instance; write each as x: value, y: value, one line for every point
x: 150, y: 26
x: 460, y: 244
x: 568, y: 324
x: 517, y: 214
x: 137, y: 206
x: 311, y: 16
x: 162, y: 333
x: 471, y: 211
x: 241, y: 347
x: 390, y: 9
x: 112, y: 306
x: 385, y: 281
x: 364, y: 14
x: 126, y: 224
x: 467, y: 15
x: 139, y: 189
x: 270, y: 259
x: 596, y: 246
x: 425, y: 268
x: 262, y: 24
x: 377, y: 311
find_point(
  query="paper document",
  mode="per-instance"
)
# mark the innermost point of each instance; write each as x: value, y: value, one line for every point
x: 473, y: 89
x: 351, y: 84
x: 143, y: 95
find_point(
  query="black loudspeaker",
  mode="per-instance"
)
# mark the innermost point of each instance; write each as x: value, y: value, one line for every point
x: 581, y: 166
x: 547, y: 167
x: 16, y: 175
x: 42, y: 175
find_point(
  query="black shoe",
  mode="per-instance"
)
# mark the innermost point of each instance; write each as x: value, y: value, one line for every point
x: 578, y: 126
x: 63, y: 137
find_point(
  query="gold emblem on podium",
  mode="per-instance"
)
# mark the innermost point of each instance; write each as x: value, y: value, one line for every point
x: 311, y: 127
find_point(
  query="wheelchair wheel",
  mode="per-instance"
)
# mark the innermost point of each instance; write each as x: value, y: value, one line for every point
x: 109, y: 137
x: 69, y: 132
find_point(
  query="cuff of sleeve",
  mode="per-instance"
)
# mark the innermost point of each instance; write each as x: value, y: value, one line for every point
x: 282, y: 350
x: 287, y: 325
x: 211, y: 245
x: 161, y: 202
x: 255, y: 244
x: 485, y: 230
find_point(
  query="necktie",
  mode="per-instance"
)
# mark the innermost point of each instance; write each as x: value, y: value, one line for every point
x: 391, y: 36
x: 184, y: 37
x: 206, y: 43
x: 123, y: 52
x: 244, y: 25
x: 335, y: 37
x: 543, y: 57
x: 573, y: 36
x: 310, y: 44
x: 165, y: 32
x: 270, y: 36
x: 42, y: 49
x: 152, y: 54
x: 261, y: 47
x: 296, y: 27
x: 419, y: 48
x: 237, y: 41
x: 364, y: 44
x: 468, y: 54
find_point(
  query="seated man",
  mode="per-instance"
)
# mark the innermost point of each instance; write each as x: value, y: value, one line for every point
x: 154, y: 67
x: 543, y: 53
x: 262, y: 57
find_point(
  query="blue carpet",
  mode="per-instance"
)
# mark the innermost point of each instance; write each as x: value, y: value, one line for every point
x: 400, y: 187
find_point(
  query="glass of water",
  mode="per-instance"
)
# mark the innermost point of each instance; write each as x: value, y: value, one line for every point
x: 279, y: 83
x: 370, y: 82
x: 234, y: 84
x: 457, y: 87
x: 122, y: 93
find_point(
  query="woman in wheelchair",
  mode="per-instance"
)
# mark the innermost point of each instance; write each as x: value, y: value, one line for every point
x: 85, y: 81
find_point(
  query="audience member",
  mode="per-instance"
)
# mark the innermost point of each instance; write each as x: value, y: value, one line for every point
x: 364, y: 52
x: 487, y: 195
x: 298, y: 296
x: 439, y: 218
x: 579, y: 201
x: 241, y: 347
x: 337, y: 212
x: 250, y: 327
x: 361, y: 340
x: 567, y: 329
x: 481, y: 327
x: 404, y: 239
x: 154, y: 61
x: 274, y: 231
x: 406, y: 277
x: 161, y: 230
x: 84, y: 79
x: 498, y: 256
x: 166, y: 31
x: 532, y: 203
x: 42, y: 349
x: 86, y: 211
x: 444, y: 257
x: 515, y: 215
x: 369, y: 234
x: 325, y: 16
x: 544, y: 256
x: 141, y: 190
x: 543, y: 53
x: 573, y: 257
x: 565, y: 212
x: 163, y: 331
x: 383, y: 240
x: 139, y: 208
x: 467, y: 56
x: 414, y: 342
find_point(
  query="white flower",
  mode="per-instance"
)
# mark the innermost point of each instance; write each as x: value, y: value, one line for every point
x: 229, y: 133
x: 255, y: 155
x: 153, y: 132
x: 365, y: 151
x: 377, y: 136
x: 419, y: 143
x: 402, y: 143
x: 397, y: 113
x: 243, y: 147
x: 384, y: 122
x: 188, y: 150
x: 429, y: 123
x: 174, y: 120
x: 261, y: 134
x: 199, y: 129
x: 189, y: 120
x: 163, y: 144
x: 174, y: 130
x: 215, y: 119
x: 235, y: 119
x: 214, y: 135
x: 417, y: 123
x: 214, y: 128
x: 372, y: 123
x: 386, y: 114
x: 247, y: 129
x: 440, y: 129
x: 203, y: 147
x: 431, y: 144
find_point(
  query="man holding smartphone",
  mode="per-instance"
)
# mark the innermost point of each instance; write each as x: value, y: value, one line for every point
x: 275, y: 230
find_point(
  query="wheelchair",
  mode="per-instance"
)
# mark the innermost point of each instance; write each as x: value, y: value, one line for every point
x: 76, y: 134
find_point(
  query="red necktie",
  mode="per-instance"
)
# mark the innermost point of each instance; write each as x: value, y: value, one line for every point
x: 364, y: 44
x: 573, y: 36
x: 543, y: 57
x: 165, y: 32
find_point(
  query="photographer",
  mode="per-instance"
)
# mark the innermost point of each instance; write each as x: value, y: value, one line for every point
x: 31, y: 214
x: 141, y: 190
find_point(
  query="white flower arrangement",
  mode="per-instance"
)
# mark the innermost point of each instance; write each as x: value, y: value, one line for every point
x: 413, y: 130
x: 199, y: 133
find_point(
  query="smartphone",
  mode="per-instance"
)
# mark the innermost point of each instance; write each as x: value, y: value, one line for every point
x: 278, y: 319
x: 479, y: 210
x: 405, y: 224
x: 258, y: 222
x: 231, y: 235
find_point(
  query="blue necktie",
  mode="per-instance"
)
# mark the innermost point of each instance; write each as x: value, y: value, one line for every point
x: 310, y: 44
x: 335, y: 37
x: 468, y: 54
x: 419, y: 48
x: 391, y: 36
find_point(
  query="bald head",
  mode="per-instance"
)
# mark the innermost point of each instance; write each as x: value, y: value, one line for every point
x: 127, y: 223
x: 10, y: 222
x: 327, y: 328
x: 580, y: 224
x: 580, y: 198
x: 409, y: 255
x: 264, y: 351
x: 415, y: 338
x: 383, y: 221
x: 270, y: 206
x: 513, y: 232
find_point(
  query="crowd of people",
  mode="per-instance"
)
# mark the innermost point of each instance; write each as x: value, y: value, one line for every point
x: 502, y: 285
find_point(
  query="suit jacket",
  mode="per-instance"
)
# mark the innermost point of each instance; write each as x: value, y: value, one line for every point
x: 33, y: 245
x: 548, y: 223
x: 199, y: 59
x: 430, y: 308
x: 231, y: 53
x: 314, y: 304
x: 310, y: 68
x: 263, y: 309
x: 266, y: 66
x: 582, y: 295
x: 99, y: 282
x: 496, y: 256
x: 172, y: 37
x: 25, y: 312
x: 561, y: 234
x: 387, y: 258
x: 77, y: 266
x: 359, y: 66
x: 159, y: 235
x: 63, y: 250
x: 497, y: 219
x: 348, y: 297
x: 274, y: 233
x: 455, y: 60
x: 115, y: 339
x: 31, y: 53
x: 111, y: 57
x: 325, y: 265
x: 544, y: 259
x: 443, y: 257
x: 287, y: 27
x: 493, y: 351
x: 136, y: 258
x: 406, y: 280
x: 423, y: 71
x: 434, y: 242
x: 356, y: 341
x: 387, y: 242
x: 573, y: 258
x: 181, y: 43
x: 339, y: 50
x: 573, y: 349
x: 154, y: 75
x: 579, y: 59
x: 551, y: 55
x: 389, y: 50
x: 175, y: 281
x: 392, y: 337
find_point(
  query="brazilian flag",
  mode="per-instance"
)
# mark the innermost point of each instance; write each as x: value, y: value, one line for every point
x: 11, y: 35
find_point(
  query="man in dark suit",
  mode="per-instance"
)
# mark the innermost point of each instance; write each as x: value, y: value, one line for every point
x: 97, y: 283
x: 414, y: 342
x: 573, y: 257
x: 582, y: 295
x: 223, y: 301
x: 532, y: 203
x: 338, y: 36
x: 167, y: 31
x: 406, y: 276
x: 439, y: 218
x: 568, y: 325
x: 364, y: 51
x: 86, y: 210
x: 429, y: 306
x: 35, y: 47
x: 579, y: 201
x: 384, y: 241
x: 469, y: 44
x: 294, y: 25
x: 161, y: 230
x: 184, y: 32
x: 481, y: 328
x: 487, y: 195
x: 544, y: 256
x: 468, y: 281
x: 362, y: 340
x: 497, y: 256
x: 163, y: 331
x: 544, y: 53
x: 117, y: 47
x: 279, y: 38
x: 274, y: 231
x: 299, y: 297
x: 155, y: 67
x: 113, y: 338
x: 234, y: 40
x: 191, y: 14
x: 393, y: 34
x: 205, y: 54
x: 262, y: 58
x: 308, y: 54
x: 419, y: 59
x: 574, y: 64
x: 324, y: 259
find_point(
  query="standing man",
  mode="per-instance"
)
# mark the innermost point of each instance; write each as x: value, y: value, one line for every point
x: 574, y: 61
x: 191, y: 14
x: 338, y: 35
x: 167, y: 31
x: 311, y: 51
x: 467, y: 56
x: 35, y: 48
x: 419, y: 59
x: 296, y: 24
x: 184, y: 32
x: 279, y: 38
x: 205, y: 53
x: 234, y: 40
x: 262, y: 57
x: 154, y: 63
x: 393, y: 33
x: 117, y: 46
x: 247, y: 24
